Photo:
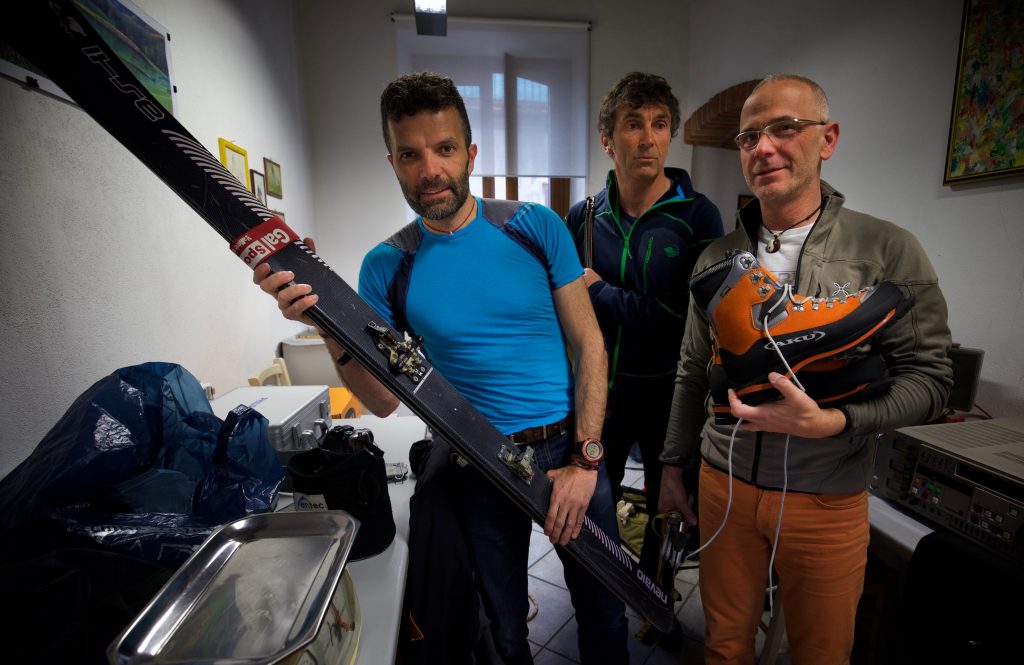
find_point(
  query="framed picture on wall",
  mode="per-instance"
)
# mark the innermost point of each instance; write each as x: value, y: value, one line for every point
x: 278, y: 213
x: 235, y: 159
x: 258, y: 186
x: 141, y: 43
x: 985, y: 138
x: 273, y: 171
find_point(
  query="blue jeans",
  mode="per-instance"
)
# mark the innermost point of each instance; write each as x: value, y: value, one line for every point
x: 639, y: 416
x: 498, y: 535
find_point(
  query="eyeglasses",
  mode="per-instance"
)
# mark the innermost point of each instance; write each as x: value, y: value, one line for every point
x: 780, y: 130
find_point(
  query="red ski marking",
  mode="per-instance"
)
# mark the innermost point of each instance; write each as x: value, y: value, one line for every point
x: 262, y: 241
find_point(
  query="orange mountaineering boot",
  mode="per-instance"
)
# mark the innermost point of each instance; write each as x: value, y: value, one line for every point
x: 759, y: 326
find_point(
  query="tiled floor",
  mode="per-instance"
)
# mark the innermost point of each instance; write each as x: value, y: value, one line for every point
x: 553, y: 628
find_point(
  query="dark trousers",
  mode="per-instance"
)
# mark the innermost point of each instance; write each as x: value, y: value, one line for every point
x: 639, y: 416
x: 498, y: 535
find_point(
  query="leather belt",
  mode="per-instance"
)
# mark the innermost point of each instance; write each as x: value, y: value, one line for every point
x: 541, y: 432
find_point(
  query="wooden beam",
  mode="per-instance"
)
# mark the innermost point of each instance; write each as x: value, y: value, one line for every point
x: 560, y: 196
x: 717, y: 122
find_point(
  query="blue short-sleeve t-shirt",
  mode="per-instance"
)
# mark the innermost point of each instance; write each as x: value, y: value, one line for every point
x: 483, y: 304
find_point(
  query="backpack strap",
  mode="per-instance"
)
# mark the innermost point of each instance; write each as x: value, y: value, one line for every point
x: 588, y: 233
x: 407, y: 240
x: 499, y: 213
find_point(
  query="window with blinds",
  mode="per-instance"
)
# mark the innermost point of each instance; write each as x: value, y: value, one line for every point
x: 526, y: 86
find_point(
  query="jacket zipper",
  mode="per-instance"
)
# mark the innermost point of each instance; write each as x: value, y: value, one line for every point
x: 755, y: 463
x: 647, y: 261
x: 626, y: 254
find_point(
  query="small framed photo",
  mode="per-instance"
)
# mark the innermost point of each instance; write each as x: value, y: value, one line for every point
x: 259, y: 186
x: 235, y: 159
x: 279, y: 213
x: 273, y: 171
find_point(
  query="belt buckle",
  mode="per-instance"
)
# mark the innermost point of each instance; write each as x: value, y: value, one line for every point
x: 563, y: 425
x: 553, y: 429
x: 546, y: 431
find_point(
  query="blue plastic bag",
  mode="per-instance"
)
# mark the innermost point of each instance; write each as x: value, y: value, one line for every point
x: 140, y: 463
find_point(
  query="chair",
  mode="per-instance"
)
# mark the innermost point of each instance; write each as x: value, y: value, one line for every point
x: 276, y: 370
x: 344, y: 404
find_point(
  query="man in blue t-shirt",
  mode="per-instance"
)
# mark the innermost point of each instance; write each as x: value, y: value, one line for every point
x: 495, y: 289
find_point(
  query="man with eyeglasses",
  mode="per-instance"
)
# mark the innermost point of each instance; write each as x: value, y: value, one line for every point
x: 787, y: 487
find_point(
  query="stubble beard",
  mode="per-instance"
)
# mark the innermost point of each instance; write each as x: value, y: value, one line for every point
x: 770, y: 192
x: 438, y: 210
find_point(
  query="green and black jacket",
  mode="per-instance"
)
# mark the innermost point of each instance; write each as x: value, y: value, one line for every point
x: 641, y: 304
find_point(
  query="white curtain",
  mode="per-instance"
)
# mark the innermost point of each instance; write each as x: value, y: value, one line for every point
x: 525, y: 85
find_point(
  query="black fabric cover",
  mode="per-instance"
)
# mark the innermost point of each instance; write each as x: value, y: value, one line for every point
x: 69, y: 604
x: 352, y: 481
x: 441, y: 618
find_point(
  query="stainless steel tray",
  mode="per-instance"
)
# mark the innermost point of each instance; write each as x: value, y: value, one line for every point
x: 254, y: 592
x: 337, y: 642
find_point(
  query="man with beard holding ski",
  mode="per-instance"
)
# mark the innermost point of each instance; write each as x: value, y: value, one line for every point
x: 495, y: 290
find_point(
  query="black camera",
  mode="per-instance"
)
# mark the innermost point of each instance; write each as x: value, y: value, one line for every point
x: 348, y: 439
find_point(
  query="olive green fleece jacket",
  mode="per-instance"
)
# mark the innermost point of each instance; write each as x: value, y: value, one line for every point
x: 844, y: 249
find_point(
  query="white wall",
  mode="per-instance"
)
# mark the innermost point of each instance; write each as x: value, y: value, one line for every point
x: 889, y: 72
x: 102, y: 266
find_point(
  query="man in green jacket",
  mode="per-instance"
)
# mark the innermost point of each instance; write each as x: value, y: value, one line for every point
x: 648, y: 226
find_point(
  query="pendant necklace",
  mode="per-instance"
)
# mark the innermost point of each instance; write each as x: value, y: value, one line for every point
x: 461, y: 224
x: 775, y: 243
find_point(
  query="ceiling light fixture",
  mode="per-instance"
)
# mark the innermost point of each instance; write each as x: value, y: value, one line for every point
x: 431, y: 17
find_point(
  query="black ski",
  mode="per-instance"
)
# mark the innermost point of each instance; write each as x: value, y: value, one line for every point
x: 56, y: 38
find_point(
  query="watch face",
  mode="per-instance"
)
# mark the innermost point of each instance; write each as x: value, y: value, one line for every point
x: 593, y: 451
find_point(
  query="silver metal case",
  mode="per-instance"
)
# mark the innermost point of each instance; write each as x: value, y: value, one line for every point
x: 299, y: 416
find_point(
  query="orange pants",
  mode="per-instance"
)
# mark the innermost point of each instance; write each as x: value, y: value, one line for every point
x: 820, y: 563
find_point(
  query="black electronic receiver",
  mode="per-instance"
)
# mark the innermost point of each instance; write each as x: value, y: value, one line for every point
x: 969, y: 478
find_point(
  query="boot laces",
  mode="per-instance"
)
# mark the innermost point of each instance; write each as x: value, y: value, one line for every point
x: 728, y: 507
x: 788, y: 295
